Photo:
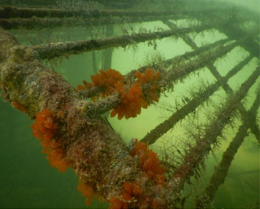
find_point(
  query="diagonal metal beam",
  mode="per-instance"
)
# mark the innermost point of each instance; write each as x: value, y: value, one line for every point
x: 221, y: 170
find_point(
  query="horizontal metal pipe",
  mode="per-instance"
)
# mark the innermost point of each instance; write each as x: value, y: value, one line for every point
x: 15, y: 12
x: 52, y: 50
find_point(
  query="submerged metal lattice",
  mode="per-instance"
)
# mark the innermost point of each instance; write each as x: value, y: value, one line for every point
x: 32, y: 87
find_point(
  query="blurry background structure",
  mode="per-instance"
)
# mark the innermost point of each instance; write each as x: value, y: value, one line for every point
x: 212, y: 50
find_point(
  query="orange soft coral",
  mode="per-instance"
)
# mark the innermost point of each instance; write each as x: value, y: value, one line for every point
x: 148, y: 76
x: 19, y: 106
x: 104, y: 79
x: 86, y: 85
x: 131, y: 101
x: 89, y: 192
x: 44, y: 128
x: 56, y: 159
x: 151, y: 77
x: 116, y: 203
x: 129, y: 194
x: 149, y: 162
x: 132, y: 188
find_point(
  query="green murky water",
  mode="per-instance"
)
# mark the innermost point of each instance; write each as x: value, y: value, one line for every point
x: 27, y: 180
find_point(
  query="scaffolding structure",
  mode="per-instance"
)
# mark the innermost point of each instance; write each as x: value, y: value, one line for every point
x: 107, y: 164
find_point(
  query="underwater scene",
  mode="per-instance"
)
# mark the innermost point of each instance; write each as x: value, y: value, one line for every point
x: 129, y: 104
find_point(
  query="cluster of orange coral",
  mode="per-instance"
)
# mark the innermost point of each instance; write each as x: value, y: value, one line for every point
x: 86, y: 85
x: 44, y: 129
x: 148, y: 76
x: 44, y: 126
x: 151, y: 77
x: 104, y: 79
x: 131, y: 101
x: 117, y: 203
x: 149, y: 162
x: 55, y: 156
x: 19, y: 106
x: 89, y: 192
x: 130, y: 191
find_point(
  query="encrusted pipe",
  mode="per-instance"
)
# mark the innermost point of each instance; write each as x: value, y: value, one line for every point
x: 52, y: 50
x: 221, y: 170
x: 169, y: 123
x: 197, y: 153
x: 97, y: 154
